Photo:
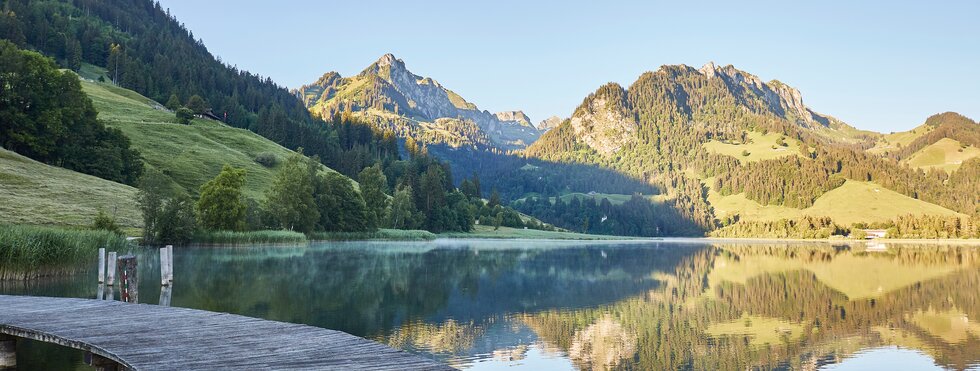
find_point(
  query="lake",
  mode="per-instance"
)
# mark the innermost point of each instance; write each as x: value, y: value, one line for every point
x: 684, y: 304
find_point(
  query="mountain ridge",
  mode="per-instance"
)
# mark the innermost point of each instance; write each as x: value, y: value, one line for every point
x: 414, y: 106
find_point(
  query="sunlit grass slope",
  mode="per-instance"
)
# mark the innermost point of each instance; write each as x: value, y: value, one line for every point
x: 189, y: 154
x: 850, y: 203
x: 759, y: 147
x: 946, y: 154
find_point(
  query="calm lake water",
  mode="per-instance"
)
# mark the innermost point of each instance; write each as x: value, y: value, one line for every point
x: 487, y: 305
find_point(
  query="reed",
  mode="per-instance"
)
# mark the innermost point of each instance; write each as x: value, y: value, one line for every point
x: 250, y: 237
x: 380, y: 234
x: 29, y: 252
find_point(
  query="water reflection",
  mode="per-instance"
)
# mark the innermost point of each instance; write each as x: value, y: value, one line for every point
x: 662, y: 305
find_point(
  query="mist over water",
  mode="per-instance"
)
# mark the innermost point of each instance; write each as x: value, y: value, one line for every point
x: 585, y: 305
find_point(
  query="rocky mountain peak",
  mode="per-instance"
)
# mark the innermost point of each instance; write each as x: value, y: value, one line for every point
x: 549, y: 123
x: 390, y: 60
x: 514, y: 116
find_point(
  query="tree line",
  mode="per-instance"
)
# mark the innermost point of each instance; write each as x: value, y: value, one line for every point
x: 46, y: 116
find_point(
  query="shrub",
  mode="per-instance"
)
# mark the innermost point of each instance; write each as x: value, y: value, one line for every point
x: 105, y: 222
x: 184, y: 115
x: 267, y: 159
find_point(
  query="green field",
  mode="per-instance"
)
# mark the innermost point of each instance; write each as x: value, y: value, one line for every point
x: 850, y: 203
x: 35, y: 193
x: 759, y: 147
x: 900, y: 139
x: 946, y: 154
x: 189, y: 154
x: 483, y: 231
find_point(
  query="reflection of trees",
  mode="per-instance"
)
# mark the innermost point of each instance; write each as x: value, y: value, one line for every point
x: 372, y: 290
x: 670, y: 321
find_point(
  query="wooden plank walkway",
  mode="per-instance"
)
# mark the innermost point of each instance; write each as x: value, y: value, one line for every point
x: 150, y: 337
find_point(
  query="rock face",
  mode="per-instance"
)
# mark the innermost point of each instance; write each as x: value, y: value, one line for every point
x: 603, y: 121
x: 783, y: 100
x: 389, y: 94
x: 549, y: 123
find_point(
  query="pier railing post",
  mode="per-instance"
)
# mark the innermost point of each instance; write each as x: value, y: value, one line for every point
x: 111, y: 269
x: 8, y: 352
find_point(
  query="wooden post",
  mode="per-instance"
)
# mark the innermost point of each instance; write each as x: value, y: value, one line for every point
x: 100, y: 295
x: 101, y: 265
x: 170, y: 263
x: 111, y: 269
x: 128, y: 279
x: 166, y: 293
x: 101, y: 363
x: 8, y: 352
x: 163, y: 267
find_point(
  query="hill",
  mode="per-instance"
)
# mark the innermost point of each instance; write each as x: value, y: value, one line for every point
x: 852, y: 202
x: 189, y: 154
x: 945, y: 154
x: 35, y: 193
x: 712, y: 140
x: 387, y: 94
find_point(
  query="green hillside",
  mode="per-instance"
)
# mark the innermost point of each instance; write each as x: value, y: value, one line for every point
x: 758, y: 147
x: 850, y: 203
x: 35, y: 193
x: 189, y: 154
x: 946, y: 154
x: 894, y: 141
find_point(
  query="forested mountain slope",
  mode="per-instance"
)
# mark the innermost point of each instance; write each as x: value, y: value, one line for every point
x: 717, y: 129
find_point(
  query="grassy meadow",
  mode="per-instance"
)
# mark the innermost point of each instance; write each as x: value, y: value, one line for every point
x: 189, y: 154
x: 380, y: 234
x: 893, y: 141
x: 759, y: 147
x: 39, y: 194
x: 850, y: 203
x: 946, y: 154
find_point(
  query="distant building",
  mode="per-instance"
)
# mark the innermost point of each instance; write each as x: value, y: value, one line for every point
x: 870, y: 234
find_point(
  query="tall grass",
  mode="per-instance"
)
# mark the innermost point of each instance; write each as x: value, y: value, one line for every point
x: 28, y: 252
x: 251, y: 237
x: 380, y: 234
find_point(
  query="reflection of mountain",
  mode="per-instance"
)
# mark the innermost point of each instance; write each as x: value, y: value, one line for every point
x: 741, y: 307
x: 369, y: 290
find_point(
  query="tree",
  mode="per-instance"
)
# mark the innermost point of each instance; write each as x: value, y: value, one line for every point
x: 374, y: 185
x: 433, y: 198
x: 184, y: 115
x: 289, y: 201
x: 73, y: 54
x: 341, y: 208
x: 403, y: 212
x: 221, y: 205
x: 494, y: 199
x: 168, y: 216
x: 197, y: 104
x: 46, y: 116
x: 173, y: 103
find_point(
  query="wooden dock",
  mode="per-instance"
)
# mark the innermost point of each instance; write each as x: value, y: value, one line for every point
x: 150, y: 337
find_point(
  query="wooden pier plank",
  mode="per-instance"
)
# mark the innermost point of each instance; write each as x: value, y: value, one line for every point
x: 150, y: 337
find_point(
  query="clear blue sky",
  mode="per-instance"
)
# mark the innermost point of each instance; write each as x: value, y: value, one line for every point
x: 879, y: 65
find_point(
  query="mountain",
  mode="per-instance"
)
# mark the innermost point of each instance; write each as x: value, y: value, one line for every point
x: 944, y: 142
x: 549, y: 123
x: 724, y: 146
x: 387, y: 94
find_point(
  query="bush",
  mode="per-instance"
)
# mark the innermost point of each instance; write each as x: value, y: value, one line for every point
x: 267, y: 159
x: 105, y: 222
x: 184, y: 115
